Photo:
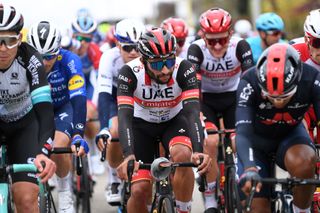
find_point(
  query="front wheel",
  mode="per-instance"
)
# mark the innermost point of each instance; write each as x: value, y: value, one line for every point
x: 232, y: 198
x: 165, y: 205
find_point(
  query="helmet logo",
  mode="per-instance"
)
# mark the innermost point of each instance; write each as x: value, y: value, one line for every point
x: 42, y: 32
x: 290, y: 75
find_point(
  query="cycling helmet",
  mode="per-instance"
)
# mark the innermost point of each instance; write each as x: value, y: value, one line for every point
x: 269, y: 21
x: 312, y: 24
x: 279, y: 69
x: 129, y: 30
x: 10, y: 19
x: 44, y: 37
x: 215, y: 20
x: 176, y: 26
x: 84, y: 24
x: 157, y: 43
x: 242, y: 26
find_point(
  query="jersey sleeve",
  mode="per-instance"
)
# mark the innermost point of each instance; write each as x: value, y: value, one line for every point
x: 195, y: 56
x: 244, y: 55
x: 94, y: 55
x: 244, y: 122
x: 77, y: 92
x: 104, y: 89
x: 187, y: 80
x: 316, y: 96
x: 126, y: 85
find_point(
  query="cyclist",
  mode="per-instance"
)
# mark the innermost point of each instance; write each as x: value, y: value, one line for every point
x: 127, y: 32
x: 68, y: 92
x: 309, y: 49
x: 220, y: 58
x: 179, y: 29
x: 84, y: 28
x: 271, y: 102
x: 270, y: 28
x: 26, y: 112
x: 158, y: 97
x: 243, y: 29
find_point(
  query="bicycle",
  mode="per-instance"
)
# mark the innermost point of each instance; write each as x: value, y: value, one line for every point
x: 6, y: 204
x: 227, y: 193
x: 82, y: 180
x: 282, y: 199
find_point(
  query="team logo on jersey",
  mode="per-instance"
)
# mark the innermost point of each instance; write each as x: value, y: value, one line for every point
x: 75, y: 82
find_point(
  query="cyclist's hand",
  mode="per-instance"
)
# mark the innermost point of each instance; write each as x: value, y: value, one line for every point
x: 84, y: 148
x: 251, y: 174
x: 123, y: 167
x: 205, y: 166
x: 103, y: 135
x: 45, y: 172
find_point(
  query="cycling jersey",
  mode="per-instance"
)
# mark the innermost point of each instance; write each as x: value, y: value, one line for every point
x: 24, y: 88
x: 255, y: 45
x: 110, y: 64
x: 68, y: 85
x: 310, y: 117
x: 141, y: 97
x: 256, y: 115
x: 221, y: 74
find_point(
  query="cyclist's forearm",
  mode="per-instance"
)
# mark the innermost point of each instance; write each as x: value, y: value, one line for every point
x: 125, y: 115
x: 104, y: 102
x: 79, y: 114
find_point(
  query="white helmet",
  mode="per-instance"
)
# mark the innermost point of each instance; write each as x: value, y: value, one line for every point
x: 312, y: 24
x: 44, y: 37
x: 242, y: 26
x: 129, y: 30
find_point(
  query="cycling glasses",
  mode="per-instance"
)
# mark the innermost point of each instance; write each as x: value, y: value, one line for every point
x: 158, y: 65
x: 284, y: 96
x: 49, y: 57
x: 129, y: 47
x: 273, y: 32
x: 314, y: 42
x: 181, y: 42
x: 213, y: 41
x: 84, y: 38
x: 10, y: 41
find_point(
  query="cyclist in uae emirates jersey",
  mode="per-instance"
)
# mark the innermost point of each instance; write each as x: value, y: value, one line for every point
x: 68, y: 92
x: 272, y: 99
x: 220, y: 59
x: 158, y: 97
x: 26, y: 112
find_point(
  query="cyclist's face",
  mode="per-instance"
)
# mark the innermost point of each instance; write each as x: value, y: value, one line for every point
x: 128, y: 51
x: 271, y: 36
x: 218, y: 43
x: 84, y: 40
x: 10, y: 42
x: 48, y: 64
x: 161, y: 69
x: 314, y: 48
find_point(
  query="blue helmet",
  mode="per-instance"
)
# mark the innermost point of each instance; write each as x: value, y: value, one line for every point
x: 84, y: 24
x: 269, y: 21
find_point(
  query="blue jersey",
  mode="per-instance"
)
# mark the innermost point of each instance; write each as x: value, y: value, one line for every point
x: 68, y: 85
x: 255, y: 44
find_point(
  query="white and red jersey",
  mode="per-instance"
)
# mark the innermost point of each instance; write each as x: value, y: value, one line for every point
x: 221, y: 74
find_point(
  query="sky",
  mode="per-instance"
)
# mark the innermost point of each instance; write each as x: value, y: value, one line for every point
x: 62, y: 12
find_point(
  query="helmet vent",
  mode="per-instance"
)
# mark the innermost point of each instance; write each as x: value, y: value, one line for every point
x: 275, y: 84
x: 276, y: 60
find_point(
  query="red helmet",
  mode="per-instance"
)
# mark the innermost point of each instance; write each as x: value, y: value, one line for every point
x: 279, y: 69
x: 176, y: 26
x: 215, y: 20
x: 157, y: 43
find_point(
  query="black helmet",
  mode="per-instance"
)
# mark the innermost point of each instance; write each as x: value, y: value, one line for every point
x: 157, y: 43
x: 10, y: 19
x: 279, y: 69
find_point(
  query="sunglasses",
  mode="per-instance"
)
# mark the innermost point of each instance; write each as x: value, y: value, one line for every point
x: 273, y: 32
x: 49, y: 57
x: 284, y: 96
x: 213, y: 41
x: 10, y: 41
x: 158, y: 65
x: 129, y: 47
x: 181, y: 42
x: 84, y: 38
x: 314, y: 42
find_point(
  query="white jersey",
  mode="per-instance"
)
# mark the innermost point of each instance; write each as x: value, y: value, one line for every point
x: 220, y: 74
x: 110, y: 64
x: 155, y: 102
